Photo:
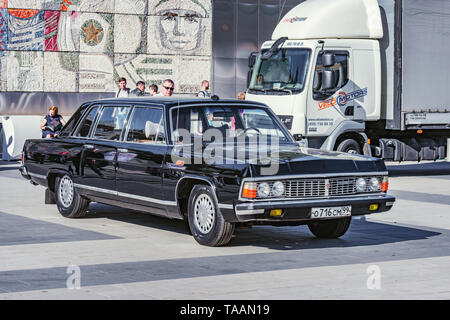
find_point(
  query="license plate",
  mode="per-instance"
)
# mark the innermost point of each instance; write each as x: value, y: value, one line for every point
x: 331, y: 212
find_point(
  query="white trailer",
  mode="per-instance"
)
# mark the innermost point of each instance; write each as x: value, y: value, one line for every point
x: 362, y: 76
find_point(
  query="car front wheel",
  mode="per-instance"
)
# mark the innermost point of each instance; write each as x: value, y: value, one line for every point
x: 206, y: 223
x: 330, y: 229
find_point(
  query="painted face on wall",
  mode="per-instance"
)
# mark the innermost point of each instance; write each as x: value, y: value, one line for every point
x: 181, y: 24
x: 180, y: 29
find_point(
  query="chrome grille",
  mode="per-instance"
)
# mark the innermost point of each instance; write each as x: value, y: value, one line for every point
x: 320, y: 187
x: 342, y: 186
x: 305, y: 188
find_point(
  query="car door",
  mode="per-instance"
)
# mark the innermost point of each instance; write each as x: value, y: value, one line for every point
x: 98, y: 172
x: 140, y: 160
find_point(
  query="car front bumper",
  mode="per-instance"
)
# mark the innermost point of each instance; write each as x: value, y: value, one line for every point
x: 300, y: 210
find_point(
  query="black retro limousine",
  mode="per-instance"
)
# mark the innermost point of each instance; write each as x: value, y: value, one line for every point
x: 158, y: 155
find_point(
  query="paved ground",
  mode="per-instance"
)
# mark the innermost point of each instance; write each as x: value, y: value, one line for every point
x: 118, y: 254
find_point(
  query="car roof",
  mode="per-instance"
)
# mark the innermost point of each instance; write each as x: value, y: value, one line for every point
x: 177, y: 101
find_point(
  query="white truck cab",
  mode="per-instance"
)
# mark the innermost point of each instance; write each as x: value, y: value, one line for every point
x: 323, y: 72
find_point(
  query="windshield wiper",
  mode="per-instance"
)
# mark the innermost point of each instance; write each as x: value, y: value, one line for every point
x: 280, y: 90
x: 258, y: 89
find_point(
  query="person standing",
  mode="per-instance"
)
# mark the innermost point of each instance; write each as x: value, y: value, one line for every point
x: 167, y: 88
x: 204, y: 93
x: 123, y: 90
x: 139, y: 90
x: 52, y: 123
x: 153, y: 90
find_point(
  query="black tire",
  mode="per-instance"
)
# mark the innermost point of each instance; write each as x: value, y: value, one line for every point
x: 69, y: 207
x: 207, y: 225
x: 349, y: 146
x: 330, y: 229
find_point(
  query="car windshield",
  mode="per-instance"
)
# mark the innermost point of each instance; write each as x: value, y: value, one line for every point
x: 230, y: 121
x: 283, y: 72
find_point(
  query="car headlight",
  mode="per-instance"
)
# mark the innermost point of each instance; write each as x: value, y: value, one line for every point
x: 361, y: 184
x: 278, y: 189
x: 263, y: 190
x: 374, y: 184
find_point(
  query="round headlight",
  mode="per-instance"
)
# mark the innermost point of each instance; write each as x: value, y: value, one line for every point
x: 263, y: 190
x: 361, y: 184
x: 374, y: 184
x: 278, y: 189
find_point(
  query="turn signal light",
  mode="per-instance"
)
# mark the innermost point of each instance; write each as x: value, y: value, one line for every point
x: 385, y: 184
x: 250, y: 190
x: 276, y: 213
x: 373, y: 207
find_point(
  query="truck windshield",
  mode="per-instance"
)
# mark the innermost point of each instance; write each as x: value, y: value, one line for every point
x: 284, y: 72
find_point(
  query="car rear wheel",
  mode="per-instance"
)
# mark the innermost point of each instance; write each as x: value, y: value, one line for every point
x: 330, y: 229
x: 70, y: 204
x: 206, y: 223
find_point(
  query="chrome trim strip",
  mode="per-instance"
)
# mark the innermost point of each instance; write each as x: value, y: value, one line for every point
x: 311, y: 202
x: 83, y: 186
x: 39, y: 176
x: 147, y: 199
x: 225, y: 206
x: 248, y: 212
x: 126, y: 195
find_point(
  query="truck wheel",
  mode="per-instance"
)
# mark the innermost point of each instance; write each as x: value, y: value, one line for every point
x: 330, y: 229
x: 70, y: 204
x: 206, y: 223
x: 349, y: 146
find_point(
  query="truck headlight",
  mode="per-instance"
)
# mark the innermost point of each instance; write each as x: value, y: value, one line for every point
x: 277, y: 189
x: 361, y: 184
x: 263, y: 190
x: 374, y: 184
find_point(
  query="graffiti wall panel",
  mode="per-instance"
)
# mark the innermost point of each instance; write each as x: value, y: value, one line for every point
x: 3, y: 29
x: 96, y: 73
x: 79, y: 48
x: 25, y: 4
x: 138, y: 7
x: 61, y: 71
x: 25, y: 70
x: 25, y: 29
x: 51, y: 30
x: 129, y: 33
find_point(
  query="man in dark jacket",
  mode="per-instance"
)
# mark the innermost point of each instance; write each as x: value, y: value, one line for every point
x: 140, y: 89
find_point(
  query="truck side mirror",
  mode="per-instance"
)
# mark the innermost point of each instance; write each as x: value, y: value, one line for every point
x: 249, y: 77
x: 328, y: 79
x: 252, y: 59
x: 328, y: 59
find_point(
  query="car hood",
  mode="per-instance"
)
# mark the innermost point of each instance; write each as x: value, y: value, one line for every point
x: 295, y: 160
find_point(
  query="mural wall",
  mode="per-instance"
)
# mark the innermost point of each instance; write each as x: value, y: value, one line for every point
x: 64, y: 51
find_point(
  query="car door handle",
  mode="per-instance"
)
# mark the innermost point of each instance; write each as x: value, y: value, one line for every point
x: 123, y: 150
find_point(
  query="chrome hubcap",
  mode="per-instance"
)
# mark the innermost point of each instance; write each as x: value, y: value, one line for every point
x: 204, y: 213
x: 66, y: 191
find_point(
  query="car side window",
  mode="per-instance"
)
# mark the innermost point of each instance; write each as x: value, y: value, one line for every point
x: 85, y: 126
x: 147, y: 126
x: 337, y: 73
x: 111, y: 123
